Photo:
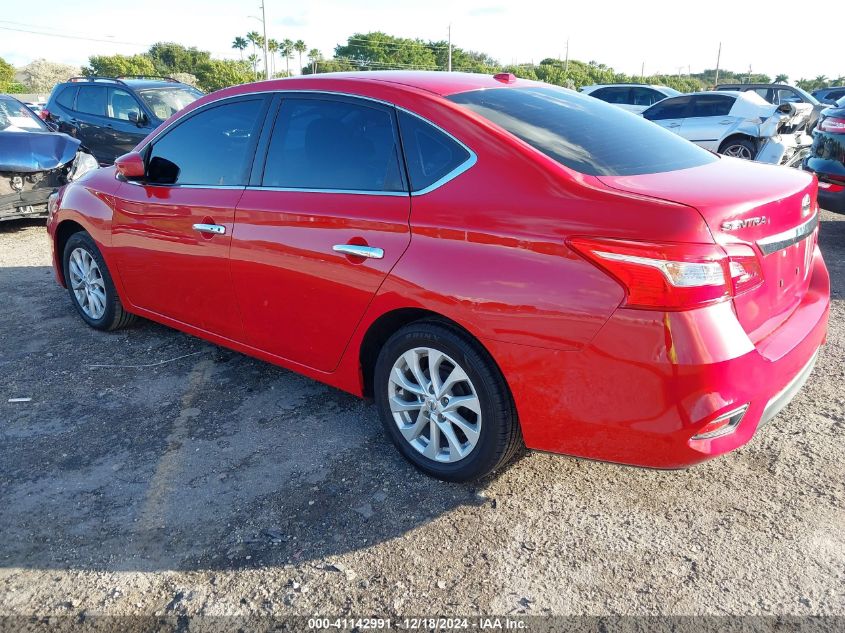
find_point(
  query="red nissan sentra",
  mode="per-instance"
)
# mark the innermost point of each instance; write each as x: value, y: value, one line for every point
x: 493, y: 260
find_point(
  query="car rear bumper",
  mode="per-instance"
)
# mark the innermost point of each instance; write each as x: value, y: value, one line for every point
x: 650, y: 382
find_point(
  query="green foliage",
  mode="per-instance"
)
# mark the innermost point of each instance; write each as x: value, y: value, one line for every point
x: 214, y: 74
x: 377, y: 50
x: 169, y: 57
x: 329, y: 66
x: 820, y: 82
x: 7, y: 75
x: 119, y: 65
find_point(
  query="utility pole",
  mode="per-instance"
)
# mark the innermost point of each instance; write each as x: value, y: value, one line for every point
x: 642, y: 73
x: 266, y: 61
x: 566, y: 63
x: 748, y: 78
x: 450, y: 48
x: 718, y: 59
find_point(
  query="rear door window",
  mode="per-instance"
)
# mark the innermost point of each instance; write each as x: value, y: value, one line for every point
x: 91, y: 100
x: 645, y: 96
x: 430, y: 154
x: 584, y: 134
x: 614, y: 94
x: 326, y: 144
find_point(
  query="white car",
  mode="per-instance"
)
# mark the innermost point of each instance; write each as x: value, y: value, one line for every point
x: 631, y: 97
x: 740, y: 124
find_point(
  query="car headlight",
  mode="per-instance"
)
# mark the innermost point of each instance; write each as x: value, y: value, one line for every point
x: 82, y: 164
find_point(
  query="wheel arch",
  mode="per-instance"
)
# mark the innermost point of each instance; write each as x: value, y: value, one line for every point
x: 390, y: 322
x: 64, y: 231
x: 737, y: 136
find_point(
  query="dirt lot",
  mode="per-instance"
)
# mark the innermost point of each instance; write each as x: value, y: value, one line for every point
x: 216, y: 484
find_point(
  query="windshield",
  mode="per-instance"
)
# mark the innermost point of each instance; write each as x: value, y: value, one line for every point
x: 810, y: 98
x: 841, y: 103
x: 16, y: 117
x: 585, y: 134
x: 165, y: 102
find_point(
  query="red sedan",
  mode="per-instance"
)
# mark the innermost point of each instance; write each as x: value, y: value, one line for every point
x: 493, y: 260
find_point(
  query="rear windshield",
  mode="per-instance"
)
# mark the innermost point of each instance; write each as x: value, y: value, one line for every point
x: 585, y: 134
x: 16, y: 117
x: 165, y: 102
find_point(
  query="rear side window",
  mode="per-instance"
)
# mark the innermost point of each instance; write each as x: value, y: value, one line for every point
x: 612, y: 95
x: 711, y: 105
x: 333, y: 145
x: 213, y: 147
x: 430, y: 154
x: 584, y: 134
x: 91, y: 100
x: 66, y: 96
x: 674, y: 108
x: 645, y: 96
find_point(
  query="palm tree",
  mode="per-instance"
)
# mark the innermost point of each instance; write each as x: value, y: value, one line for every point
x: 253, y: 37
x: 240, y: 44
x: 253, y: 59
x: 300, y: 47
x: 272, y: 49
x: 781, y: 79
x: 287, y: 53
x: 314, y: 55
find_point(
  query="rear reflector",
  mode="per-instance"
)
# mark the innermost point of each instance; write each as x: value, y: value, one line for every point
x: 723, y: 425
x: 671, y: 276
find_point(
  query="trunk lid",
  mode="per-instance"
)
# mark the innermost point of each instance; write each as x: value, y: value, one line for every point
x: 772, y: 210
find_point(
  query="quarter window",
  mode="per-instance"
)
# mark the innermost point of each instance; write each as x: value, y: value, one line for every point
x: 429, y: 153
x: 325, y: 144
x: 213, y: 147
x: 66, y: 96
x: 91, y: 100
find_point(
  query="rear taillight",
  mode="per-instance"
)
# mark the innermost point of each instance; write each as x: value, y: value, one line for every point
x: 832, y: 124
x: 44, y: 114
x: 672, y: 276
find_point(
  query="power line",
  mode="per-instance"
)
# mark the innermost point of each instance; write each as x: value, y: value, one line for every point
x: 72, y: 37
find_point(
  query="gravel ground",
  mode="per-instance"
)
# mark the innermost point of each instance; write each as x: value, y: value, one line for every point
x: 216, y: 484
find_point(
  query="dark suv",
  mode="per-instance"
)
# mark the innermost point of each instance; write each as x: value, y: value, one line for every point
x: 111, y: 115
x: 778, y: 94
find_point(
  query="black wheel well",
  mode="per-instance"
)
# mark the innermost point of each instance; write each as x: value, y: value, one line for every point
x: 386, y: 326
x: 63, y: 233
x: 738, y: 135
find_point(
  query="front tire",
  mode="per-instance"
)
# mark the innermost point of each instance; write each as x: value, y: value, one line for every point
x: 90, y: 285
x: 444, y: 403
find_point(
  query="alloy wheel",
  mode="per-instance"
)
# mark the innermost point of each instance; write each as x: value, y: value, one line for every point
x: 434, y: 405
x: 86, y: 281
x: 738, y: 151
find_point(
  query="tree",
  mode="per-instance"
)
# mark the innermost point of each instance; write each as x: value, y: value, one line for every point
x: 370, y: 51
x: 7, y: 75
x: 41, y: 75
x: 169, y: 57
x: 215, y: 74
x: 300, y: 47
x: 240, y: 44
x: 253, y: 37
x: 314, y: 56
x: 253, y: 60
x: 272, y: 49
x: 119, y: 65
x: 330, y: 66
x: 287, y: 53
x: 781, y: 79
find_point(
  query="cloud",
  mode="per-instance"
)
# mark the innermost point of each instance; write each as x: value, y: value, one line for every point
x: 490, y: 10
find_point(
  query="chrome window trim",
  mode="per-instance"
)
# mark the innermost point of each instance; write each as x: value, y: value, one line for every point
x: 457, y: 171
x: 360, y: 192
x: 774, y: 243
x: 177, y: 186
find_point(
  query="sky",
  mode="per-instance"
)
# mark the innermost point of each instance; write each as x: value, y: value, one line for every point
x: 665, y: 36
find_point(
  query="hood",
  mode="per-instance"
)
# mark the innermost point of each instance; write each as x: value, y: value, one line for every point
x: 28, y: 152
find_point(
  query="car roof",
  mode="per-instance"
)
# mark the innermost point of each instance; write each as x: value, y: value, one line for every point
x: 433, y: 81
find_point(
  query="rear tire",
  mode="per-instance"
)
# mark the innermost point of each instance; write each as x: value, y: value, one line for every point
x: 460, y: 426
x: 90, y: 285
x: 739, y: 148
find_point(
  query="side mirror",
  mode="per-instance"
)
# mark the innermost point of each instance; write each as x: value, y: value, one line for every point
x: 138, y: 118
x: 131, y: 166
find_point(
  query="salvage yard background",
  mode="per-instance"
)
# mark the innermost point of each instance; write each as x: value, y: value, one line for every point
x: 217, y: 484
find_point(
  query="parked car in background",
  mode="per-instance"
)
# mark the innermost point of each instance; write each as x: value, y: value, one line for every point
x: 778, y: 94
x: 827, y: 157
x: 482, y: 254
x: 739, y: 124
x: 37, y: 108
x: 829, y: 96
x: 34, y: 161
x: 110, y: 115
x: 631, y: 97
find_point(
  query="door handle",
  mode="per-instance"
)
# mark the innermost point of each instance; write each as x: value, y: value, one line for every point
x: 728, y: 122
x: 674, y: 125
x: 356, y: 250
x: 215, y: 229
